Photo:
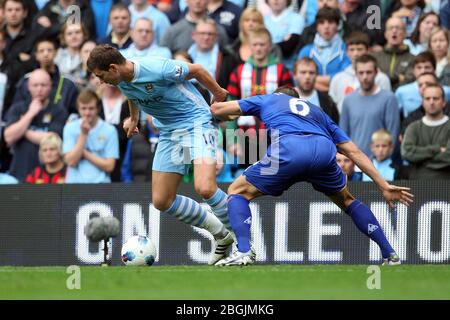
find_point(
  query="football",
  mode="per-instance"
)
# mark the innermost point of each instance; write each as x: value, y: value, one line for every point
x: 138, y: 251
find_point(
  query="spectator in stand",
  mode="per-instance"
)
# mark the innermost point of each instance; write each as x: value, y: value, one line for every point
x: 120, y: 20
x: 356, y: 14
x: 28, y: 123
x: 308, y: 34
x: 86, y: 48
x: 101, y: 9
x: 370, y: 108
x: 20, y: 40
x: 345, y: 82
x: 305, y: 74
x: 395, y: 58
x: 143, y: 42
x: 426, y: 144
x: 90, y: 144
x: 261, y: 73
x: 142, y: 9
x: 408, y: 96
x: 418, y: 42
x: 251, y: 19
x: 114, y: 110
x: 179, y: 36
x: 207, y: 52
x: 64, y: 92
x: 285, y: 26
x: 68, y: 58
x: 409, y: 11
x: 328, y: 49
x: 439, y: 46
x: 56, y: 12
x: 348, y: 167
x: 226, y: 14
x: 382, y: 148
x: 52, y: 169
x: 424, y: 80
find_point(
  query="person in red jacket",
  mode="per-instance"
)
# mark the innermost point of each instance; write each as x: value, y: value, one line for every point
x: 53, y: 168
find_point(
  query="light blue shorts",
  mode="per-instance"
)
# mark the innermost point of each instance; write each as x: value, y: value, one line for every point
x: 179, y: 148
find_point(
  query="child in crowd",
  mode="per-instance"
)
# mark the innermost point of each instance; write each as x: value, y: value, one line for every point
x: 382, y: 148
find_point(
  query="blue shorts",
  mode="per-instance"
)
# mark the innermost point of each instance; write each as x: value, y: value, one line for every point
x: 296, y: 158
x: 178, y: 148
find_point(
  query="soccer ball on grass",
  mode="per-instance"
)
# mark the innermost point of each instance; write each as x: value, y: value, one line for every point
x: 138, y: 251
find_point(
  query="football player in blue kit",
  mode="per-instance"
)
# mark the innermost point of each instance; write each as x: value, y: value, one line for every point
x: 160, y: 87
x: 303, y: 148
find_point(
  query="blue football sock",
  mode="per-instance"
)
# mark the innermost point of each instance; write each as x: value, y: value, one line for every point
x: 218, y: 204
x: 240, y: 218
x: 366, y: 222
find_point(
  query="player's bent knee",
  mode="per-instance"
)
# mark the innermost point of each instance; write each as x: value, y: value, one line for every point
x: 206, y: 191
x: 162, y: 203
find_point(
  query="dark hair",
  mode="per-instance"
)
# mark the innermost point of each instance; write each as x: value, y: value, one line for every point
x: 290, y: 91
x: 103, y: 56
x: 328, y: 14
x: 432, y: 74
x: 41, y: 40
x: 398, y: 4
x: 119, y: 7
x: 437, y: 85
x: 415, y: 36
x: 22, y: 2
x: 425, y: 56
x: 306, y: 60
x: 358, y: 37
x: 86, y: 41
x: 86, y: 96
x: 366, y: 58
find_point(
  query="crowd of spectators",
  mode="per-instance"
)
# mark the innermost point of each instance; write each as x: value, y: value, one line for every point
x: 380, y: 69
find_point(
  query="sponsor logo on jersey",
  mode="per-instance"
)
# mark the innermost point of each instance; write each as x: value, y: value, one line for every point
x: 147, y: 101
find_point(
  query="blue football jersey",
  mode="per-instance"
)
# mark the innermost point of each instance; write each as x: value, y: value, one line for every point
x: 291, y: 115
x: 159, y: 88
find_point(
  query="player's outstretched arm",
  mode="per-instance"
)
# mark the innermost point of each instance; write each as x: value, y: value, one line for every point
x: 226, y: 111
x: 391, y: 193
x: 198, y: 72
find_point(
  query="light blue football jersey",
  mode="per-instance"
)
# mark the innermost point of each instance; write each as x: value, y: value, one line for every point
x: 159, y: 88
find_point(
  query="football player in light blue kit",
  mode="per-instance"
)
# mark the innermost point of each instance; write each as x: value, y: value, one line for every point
x: 160, y: 87
x: 304, y: 149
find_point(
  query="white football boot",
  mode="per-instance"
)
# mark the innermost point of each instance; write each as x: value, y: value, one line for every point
x: 221, y: 247
x: 237, y: 259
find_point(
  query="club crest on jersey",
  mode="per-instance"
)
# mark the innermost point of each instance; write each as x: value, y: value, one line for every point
x: 149, y: 87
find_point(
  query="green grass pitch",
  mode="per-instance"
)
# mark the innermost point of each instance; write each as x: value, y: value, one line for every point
x: 204, y: 282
